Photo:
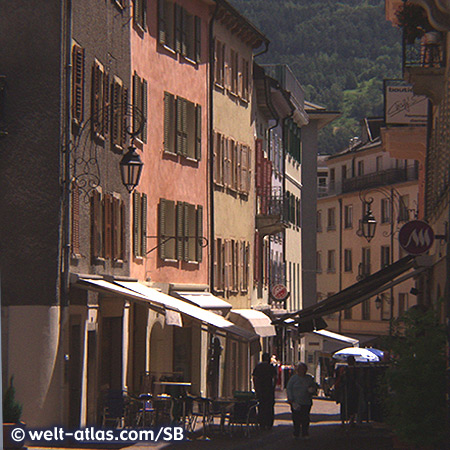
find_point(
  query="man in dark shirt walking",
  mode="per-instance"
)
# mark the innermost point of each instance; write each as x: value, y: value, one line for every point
x: 264, y: 380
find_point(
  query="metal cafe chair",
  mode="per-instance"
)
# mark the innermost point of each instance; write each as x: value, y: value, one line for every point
x: 244, y: 414
x: 113, y: 413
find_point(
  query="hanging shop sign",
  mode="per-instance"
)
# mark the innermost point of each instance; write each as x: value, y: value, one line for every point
x: 279, y: 292
x: 416, y: 237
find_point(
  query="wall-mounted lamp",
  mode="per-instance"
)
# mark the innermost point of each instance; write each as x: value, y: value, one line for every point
x: 131, y: 169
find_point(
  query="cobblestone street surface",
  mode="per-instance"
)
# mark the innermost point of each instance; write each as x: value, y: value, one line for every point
x: 326, y: 434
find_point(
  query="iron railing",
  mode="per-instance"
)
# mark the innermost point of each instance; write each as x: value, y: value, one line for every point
x: 428, y: 51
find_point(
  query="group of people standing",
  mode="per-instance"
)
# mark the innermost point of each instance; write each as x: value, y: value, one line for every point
x: 300, y: 390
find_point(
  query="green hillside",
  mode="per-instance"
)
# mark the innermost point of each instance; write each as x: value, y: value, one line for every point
x: 340, y: 50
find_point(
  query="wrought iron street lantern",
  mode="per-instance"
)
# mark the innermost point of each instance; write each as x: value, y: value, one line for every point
x: 131, y: 169
x: 368, y: 223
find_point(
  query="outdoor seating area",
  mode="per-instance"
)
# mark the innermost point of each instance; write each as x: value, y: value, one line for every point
x: 199, y: 416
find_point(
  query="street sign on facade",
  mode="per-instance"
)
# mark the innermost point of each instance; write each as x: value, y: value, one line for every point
x: 279, y: 292
x: 416, y: 237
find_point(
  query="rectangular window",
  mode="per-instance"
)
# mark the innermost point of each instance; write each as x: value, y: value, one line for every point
x: 166, y: 23
x: 344, y: 172
x: 348, y: 216
x: 365, y: 263
x: 348, y: 313
x: 119, y: 100
x: 219, y: 61
x: 385, y: 210
x: 107, y: 226
x: 348, y: 263
x: 360, y: 168
x: 234, y: 72
x: 140, y: 102
x: 139, y: 225
x: 77, y: 84
x: 180, y: 231
x: 98, y: 91
x: 245, y: 90
x: 219, y: 265
x: 319, y: 221
x: 331, y: 263
x: 385, y: 256
x: 140, y: 13
x: 403, y: 215
x: 402, y: 303
x: 365, y: 310
x: 331, y: 224
x: 182, y: 127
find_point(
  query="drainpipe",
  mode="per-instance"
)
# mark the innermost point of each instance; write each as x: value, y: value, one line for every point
x: 211, y: 146
x: 340, y: 259
x: 266, y: 49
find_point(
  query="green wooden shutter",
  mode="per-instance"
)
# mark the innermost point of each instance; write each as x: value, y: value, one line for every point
x: 123, y: 229
x: 137, y: 5
x: 169, y: 123
x: 77, y: 83
x: 186, y: 224
x: 107, y: 226
x: 198, y: 132
x: 136, y: 223
x: 144, y: 14
x: 199, y: 249
x: 96, y: 224
x: 184, y: 32
x: 136, y: 102
x: 144, y: 110
x: 162, y: 25
x: 106, y: 104
x: 178, y: 17
x: 178, y: 125
x: 180, y: 231
x: 124, y: 117
x: 162, y: 229
x: 184, y: 127
x: 143, y: 230
x: 198, y: 39
x: 116, y: 235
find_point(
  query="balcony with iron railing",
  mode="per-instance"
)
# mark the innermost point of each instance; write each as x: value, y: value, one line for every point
x: 272, y: 211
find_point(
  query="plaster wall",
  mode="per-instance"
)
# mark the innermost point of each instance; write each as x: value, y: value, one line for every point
x: 166, y: 176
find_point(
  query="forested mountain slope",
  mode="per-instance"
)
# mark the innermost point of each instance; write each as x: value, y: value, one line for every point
x: 340, y: 50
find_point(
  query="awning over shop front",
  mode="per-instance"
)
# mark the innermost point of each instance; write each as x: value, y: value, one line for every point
x: 337, y: 337
x: 196, y: 313
x: 358, y: 292
x: 205, y: 300
x: 254, y: 320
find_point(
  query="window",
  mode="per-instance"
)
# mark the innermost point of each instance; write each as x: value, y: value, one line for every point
x: 119, y: 100
x: 100, y: 101
x: 232, y: 164
x: 331, y: 265
x: 108, y: 226
x: 385, y: 313
x: 139, y: 224
x: 365, y: 262
x: 182, y: 127
x: 219, y: 63
x: 245, y: 77
x: 180, y: 231
x: 385, y: 210
x: 365, y: 310
x: 179, y: 30
x: 234, y: 72
x: 140, y: 102
x: 360, y: 168
x: 348, y: 216
x: 379, y: 163
x: 319, y: 262
x: 140, y: 13
x: 403, y: 215
x: 344, y: 172
x: 292, y: 140
x: 298, y: 211
x: 348, y: 266
x: 331, y: 224
x: 348, y: 313
x: 402, y: 303
x: 77, y: 84
x: 385, y: 256
x: 319, y: 221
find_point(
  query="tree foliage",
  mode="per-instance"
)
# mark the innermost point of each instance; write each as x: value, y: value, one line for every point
x: 340, y: 51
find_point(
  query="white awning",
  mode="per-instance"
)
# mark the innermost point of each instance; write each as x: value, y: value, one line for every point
x: 254, y: 320
x: 192, y: 311
x: 173, y: 317
x: 337, y: 337
x: 205, y: 300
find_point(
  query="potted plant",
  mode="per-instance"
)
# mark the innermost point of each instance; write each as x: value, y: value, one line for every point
x: 415, y: 382
x: 414, y: 21
x: 12, y: 411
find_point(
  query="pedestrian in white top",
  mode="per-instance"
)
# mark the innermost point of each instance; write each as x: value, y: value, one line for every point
x: 300, y: 390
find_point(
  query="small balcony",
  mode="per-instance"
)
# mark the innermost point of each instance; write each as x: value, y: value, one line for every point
x: 272, y: 212
x: 386, y: 177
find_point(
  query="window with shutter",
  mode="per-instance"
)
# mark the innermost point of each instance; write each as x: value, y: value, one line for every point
x: 216, y: 265
x: 97, y: 99
x: 167, y: 23
x: 140, y: 13
x: 257, y: 266
x: 107, y: 226
x: 169, y: 123
x: 77, y: 84
x: 228, y: 265
x: 189, y: 36
x: 180, y: 245
x: 167, y: 230
x: 96, y: 225
x: 123, y: 229
x: 190, y: 130
x: 143, y: 229
x: 116, y: 228
x: 199, y: 242
x: 140, y: 103
x: 181, y: 126
x: 178, y: 12
x: 75, y: 223
x: 198, y: 39
x: 198, y: 132
x: 106, y: 105
x: 118, y: 96
x: 190, y: 232
x: 124, y: 116
x: 245, y: 80
x: 137, y: 224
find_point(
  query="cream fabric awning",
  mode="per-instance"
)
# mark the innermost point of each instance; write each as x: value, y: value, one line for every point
x: 254, y: 320
x: 202, y: 315
x: 338, y: 337
x: 205, y: 300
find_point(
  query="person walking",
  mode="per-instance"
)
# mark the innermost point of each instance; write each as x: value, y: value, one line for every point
x: 349, y: 386
x: 300, y: 390
x: 264, y: 380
